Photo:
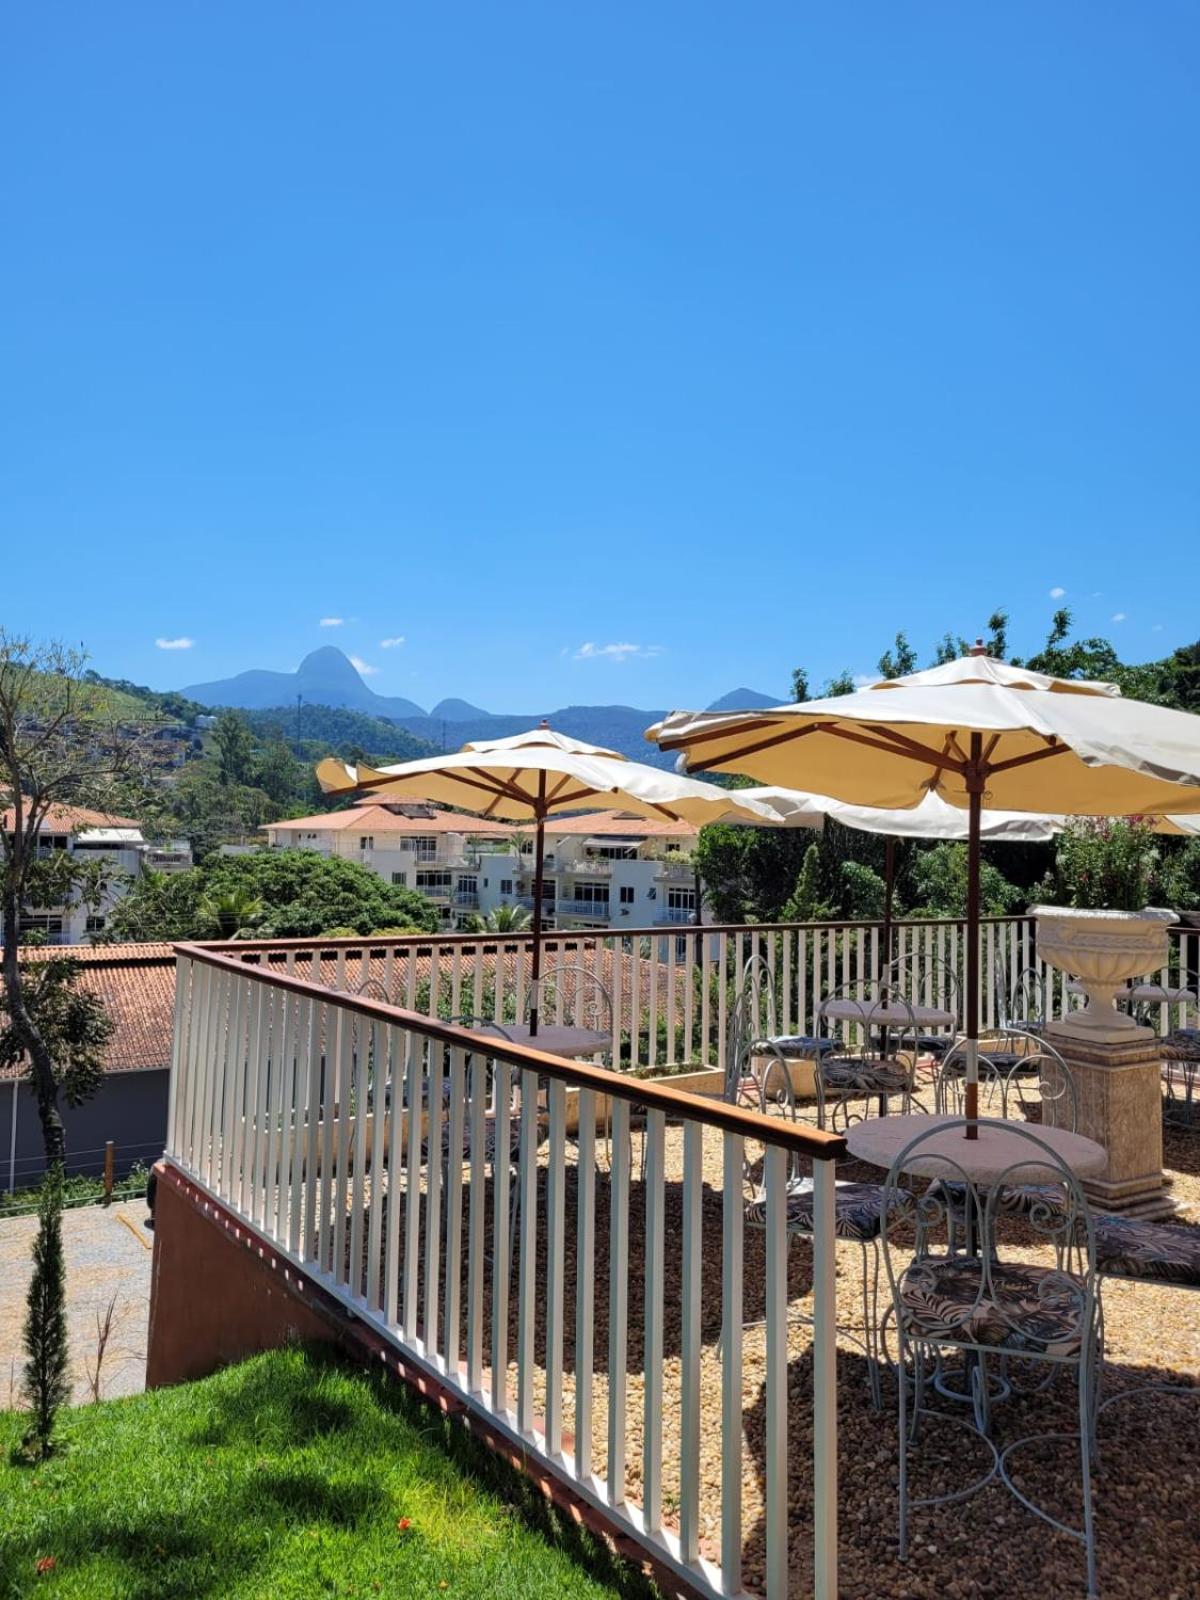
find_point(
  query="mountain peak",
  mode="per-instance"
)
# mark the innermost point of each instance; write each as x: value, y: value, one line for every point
x: 744, y: 700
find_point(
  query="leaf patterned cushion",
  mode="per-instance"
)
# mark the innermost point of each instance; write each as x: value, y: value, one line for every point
x: 1159, y: 1252
x: 793, y: 1046
x: 1182, y: 1045
x: 849, y: 1074
x: 1037, y: 1309
x: 1046, y: 1202
x: 857, y: 1213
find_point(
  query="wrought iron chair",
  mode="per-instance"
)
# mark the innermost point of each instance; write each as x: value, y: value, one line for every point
x: 984, y: 1306
x: 572, y: 990
x: 927, y: 980
x: 747, y: 1027
x: 857, y: 1067
x: 858, y: 1207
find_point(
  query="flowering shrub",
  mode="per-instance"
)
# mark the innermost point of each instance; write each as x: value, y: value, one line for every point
x: 1106, y: 862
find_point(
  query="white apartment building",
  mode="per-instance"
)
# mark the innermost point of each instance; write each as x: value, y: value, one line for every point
x: 117, y: 842
x: 602, y: 869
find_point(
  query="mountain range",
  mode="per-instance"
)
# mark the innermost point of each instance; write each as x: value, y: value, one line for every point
x: 327, y: 677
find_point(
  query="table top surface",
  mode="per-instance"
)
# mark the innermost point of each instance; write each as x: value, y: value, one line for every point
x: 1161, y: 993
x: 558, y: 1038
x: 887, y: 1016
x: 879, y: 1140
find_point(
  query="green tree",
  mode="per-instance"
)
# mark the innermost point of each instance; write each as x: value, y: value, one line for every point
x: 747, y: 871
x: 279, y: 774
x: 502, y: 919
x: 232, y: 911
x: 940, y: 875
x: 235, y: 748
x: 62, y: 744
x: 805, y: 904
x: 1105, y: 862
x: 72, y: 1023
x: 46, y: 1384
x: 300, y: 892
x: 899, y: 661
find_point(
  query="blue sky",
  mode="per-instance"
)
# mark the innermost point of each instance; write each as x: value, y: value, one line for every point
x: 740, y: 336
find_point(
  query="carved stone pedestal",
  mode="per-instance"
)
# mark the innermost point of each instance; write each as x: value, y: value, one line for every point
x: 1119, y: 1087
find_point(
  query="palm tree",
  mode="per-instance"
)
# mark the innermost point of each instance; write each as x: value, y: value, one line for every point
x: 233, y: 911
x: 503, y: 919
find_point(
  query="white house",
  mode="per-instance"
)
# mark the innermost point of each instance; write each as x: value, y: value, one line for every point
x: 603, y: 869
x: 119, y: 843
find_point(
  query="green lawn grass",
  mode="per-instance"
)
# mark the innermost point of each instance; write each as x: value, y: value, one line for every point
x: 290, y: 1476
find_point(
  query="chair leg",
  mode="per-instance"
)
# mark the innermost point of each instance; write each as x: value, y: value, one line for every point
x: 1086, y: 1426
x: 870, y: 1283
x: 903, y: 1388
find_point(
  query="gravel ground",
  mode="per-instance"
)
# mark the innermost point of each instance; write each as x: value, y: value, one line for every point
x: 1146, y: 1489
x: 108, y: 1257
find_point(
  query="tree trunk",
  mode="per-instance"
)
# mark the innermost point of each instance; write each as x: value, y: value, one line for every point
x: 41, y: 1066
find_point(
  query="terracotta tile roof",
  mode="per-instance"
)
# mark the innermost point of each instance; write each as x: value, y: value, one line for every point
x: 67, y: 819
x: 380, y: 818
x: 622, y: 824
x: 137, y: 984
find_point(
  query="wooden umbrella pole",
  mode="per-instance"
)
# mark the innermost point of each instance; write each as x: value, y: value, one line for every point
x: 539, y: 868
x: 888, y: 895
x: 974, y: 815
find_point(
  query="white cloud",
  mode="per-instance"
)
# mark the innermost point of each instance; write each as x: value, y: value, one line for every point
x: 393, y: 643
x: 1057, y: 592
x: 615, y: 652
x: 331, y: 622
x: 1118, y: 616
x: 174, y: 644
x: 363, y: 667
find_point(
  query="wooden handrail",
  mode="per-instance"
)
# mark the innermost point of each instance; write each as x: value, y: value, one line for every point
x: 652, y: 1093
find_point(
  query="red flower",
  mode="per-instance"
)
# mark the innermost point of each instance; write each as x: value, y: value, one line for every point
x: 46, y: 1564
x: 403, y: 1525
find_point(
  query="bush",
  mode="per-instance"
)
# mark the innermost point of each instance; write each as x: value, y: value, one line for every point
x: 46, y: 1384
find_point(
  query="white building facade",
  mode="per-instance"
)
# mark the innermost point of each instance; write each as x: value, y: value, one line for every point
x: 602, y: 870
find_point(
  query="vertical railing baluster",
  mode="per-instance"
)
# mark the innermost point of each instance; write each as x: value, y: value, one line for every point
x: 247, y: 1202
x: 343, y: 1093
x: 397, y: 1055
x: 475, y: 1228
x: 690, y: 1343
x: 824, y: 1381
x: 618, y: 1300
x: 722, y: 996
x: 775, y: 1408
x: 556, y: 1177
x: 454, y: 1181
x: 732, y: 1282
x: 652, y: 1418
x: 378, y: 1130
x: 635, y: 1007
x: 527, y: 1258
x: 180, y: 1046
x: 413, y: 1108
x: 362, y: 1047
x: 305, y: 1050
x: 585, y: 1289
x: 201, y: 1004
x: 501, y: 1200
x: 282, y: 1101
x: 435, y: 1080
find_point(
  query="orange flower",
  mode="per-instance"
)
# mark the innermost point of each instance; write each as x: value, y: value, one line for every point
x: 403, y: 1525
x: 46, y: 1564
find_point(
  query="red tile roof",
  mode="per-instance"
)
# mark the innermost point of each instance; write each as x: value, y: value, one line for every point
x: 137, y: 985
x: 379, y: 818
x: 622, y: 824
x: 68, y: 819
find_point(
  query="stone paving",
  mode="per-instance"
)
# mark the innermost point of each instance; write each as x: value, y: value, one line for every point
x: 108, y: 1253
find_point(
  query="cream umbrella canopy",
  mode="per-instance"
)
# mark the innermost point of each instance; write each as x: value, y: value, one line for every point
x: 533, y: 775
x: 969, y: 728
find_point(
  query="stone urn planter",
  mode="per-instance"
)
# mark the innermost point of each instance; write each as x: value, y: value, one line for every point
x: 1104, y: 950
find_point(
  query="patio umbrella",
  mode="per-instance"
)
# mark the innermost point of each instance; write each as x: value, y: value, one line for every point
x: 968, y: 728
x: 930, y: 818
x: 533, y: 775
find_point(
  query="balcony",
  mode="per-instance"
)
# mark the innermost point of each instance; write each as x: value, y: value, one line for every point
x: 466, y: 899
x: 600, y: 910
x: 588, y: 867
x: 722, y: 1426
x: 672, y: 916
x: 676, y: 871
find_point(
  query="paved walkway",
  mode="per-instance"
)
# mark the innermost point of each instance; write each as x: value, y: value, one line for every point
x: 108, y: 1258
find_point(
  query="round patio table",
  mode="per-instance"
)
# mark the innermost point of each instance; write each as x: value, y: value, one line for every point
x: 984, y: 1160
x: 1160, y: 994
x: 556, y: 1039
x: 881, y: 1015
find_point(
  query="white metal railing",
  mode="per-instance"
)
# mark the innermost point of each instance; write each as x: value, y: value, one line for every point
x: 671, y: 991
x: 353, y: 1136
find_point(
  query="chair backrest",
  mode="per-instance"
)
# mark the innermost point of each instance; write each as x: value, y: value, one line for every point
x: 862, y: 1032
x: 756, y: 992
x: 573, y: 992
x: 1020, y: 996
x: 949, y: 1086
x: 1041, y: 1077
x: 962, y: 1193
x: 924, y: 979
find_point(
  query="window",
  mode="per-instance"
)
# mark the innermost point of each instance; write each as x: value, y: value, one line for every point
x: 627, y: 894
x: 594, y: 894
x: 468, y: 885
x: 434, y: 882
x: 400, y: 877
x: 681, y: 899
x: 423, y: 847
x: 366, y: 841
x: 505, y: 885
x: 95, y: 924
